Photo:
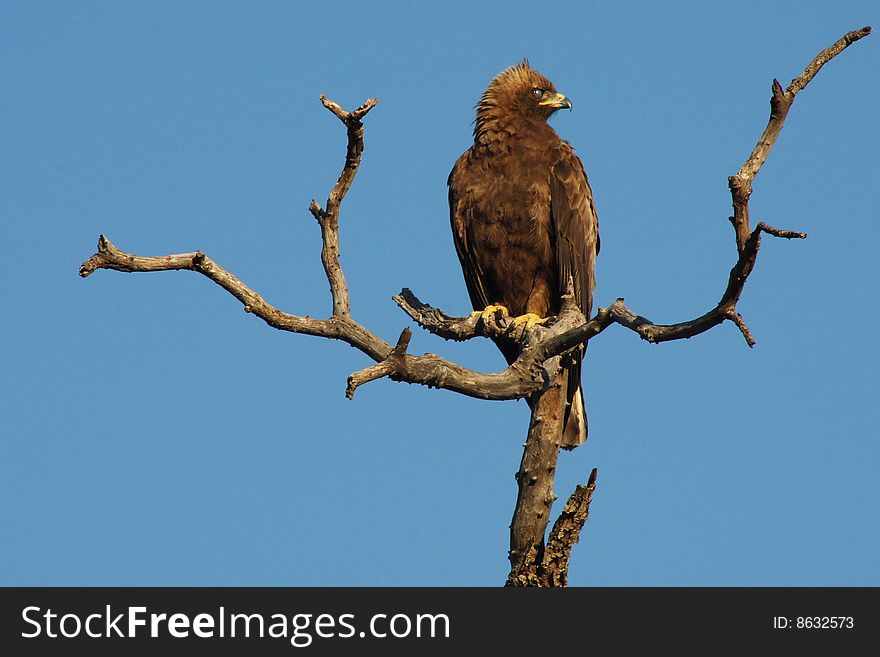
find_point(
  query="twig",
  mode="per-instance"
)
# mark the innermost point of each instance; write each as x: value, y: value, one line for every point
x: 329, y: 218
x: 385, y: 368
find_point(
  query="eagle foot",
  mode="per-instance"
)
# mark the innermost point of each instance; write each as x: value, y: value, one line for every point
x: 530, y: 320
x: 489, y: 311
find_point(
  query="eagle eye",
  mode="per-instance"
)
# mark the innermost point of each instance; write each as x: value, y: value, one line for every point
x: 537, y: 93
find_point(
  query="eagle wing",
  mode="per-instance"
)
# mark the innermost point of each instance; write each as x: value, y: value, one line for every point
x: 461, y: 219
x: 576, y: 228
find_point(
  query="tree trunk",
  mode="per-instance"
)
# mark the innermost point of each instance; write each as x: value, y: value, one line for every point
x: 535, y: 480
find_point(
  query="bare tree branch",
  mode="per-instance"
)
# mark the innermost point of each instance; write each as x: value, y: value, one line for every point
x: 385, y: 368
x: 748, y: 241
x: 329, y: 218
x: 567, y: 529
x: 552, y: 570
x: 780, y: 102
x: 452, y: 328
x: 522, y: 378
x: 548, y: 566
x: 337, y: 327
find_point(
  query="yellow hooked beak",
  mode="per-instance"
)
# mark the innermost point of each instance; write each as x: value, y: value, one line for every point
x: 556, y: 101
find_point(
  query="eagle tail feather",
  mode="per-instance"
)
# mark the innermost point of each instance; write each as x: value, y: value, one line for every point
x: 574, y: 432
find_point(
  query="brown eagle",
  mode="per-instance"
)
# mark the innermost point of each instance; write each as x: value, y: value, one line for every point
x: 523, y: 218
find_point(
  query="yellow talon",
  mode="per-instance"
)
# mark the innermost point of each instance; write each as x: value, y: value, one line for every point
x: 489, y: 311
x: 526, y: 321
x: 530, y: 319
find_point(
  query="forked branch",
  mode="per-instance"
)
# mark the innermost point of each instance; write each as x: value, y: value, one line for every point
x: 552, y: 568
x: 329, y: 219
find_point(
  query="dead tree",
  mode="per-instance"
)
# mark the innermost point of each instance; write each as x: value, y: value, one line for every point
x: 534, y: 560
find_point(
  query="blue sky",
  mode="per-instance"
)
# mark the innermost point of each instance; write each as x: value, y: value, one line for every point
x: 157, y: 435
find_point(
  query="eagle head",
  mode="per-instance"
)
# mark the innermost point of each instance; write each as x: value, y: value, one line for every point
x: 517, y: 93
